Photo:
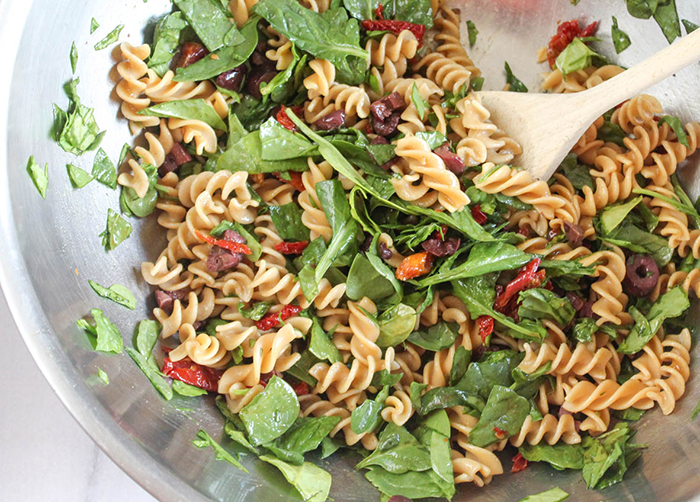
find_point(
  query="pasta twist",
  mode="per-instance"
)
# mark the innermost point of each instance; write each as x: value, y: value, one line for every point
x: 202, y: 349
x: 392, y: 47
x: 353, y: 100
x: 444, y: 71
x: 164, y: 89
x: 584, y: 360
x: 398, y: 408
x: 550, y: 429
x: 610, y: 273
x: 675, y: 222
x: 314, y: 217
x: 241, y: 10
x: 610, y: 394
x: 319, y: 83
x: 168, y: 279
x: 448, y: 24
x: 638, y: 111
x: 130, y: 88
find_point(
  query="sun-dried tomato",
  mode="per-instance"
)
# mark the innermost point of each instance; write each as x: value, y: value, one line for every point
x: 523, y: 280
x: 294, y: 179
x: 231, y: 246
x: 284, y: 119
x: 272, y: 320
x: 478, y: 215
x: 485, y: 323
x: 300, y: 388
x: 500, y: 433
x: 379, y: 12
x: 566, y: 32
x: 525, y: 232
x: 519, y: 463
x: 192, y: 373
x: 414, y: 266
x: 395, y: 27
x: 291, y: 247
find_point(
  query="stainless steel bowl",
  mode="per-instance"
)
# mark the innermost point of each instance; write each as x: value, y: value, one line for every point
x: 50, y: 248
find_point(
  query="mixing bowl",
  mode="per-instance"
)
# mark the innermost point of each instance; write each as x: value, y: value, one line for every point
x: 51, y: 248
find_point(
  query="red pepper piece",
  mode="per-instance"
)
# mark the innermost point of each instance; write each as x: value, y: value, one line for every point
x: 272, y: 320
x: 478, y: 215
x: 192, y: 373
x: 515, y: 286
x: 500, y: 433
x: 284, y: 119
x: 395, y: 27
x: 589, y: 30
x: 295, y: 180
x: 485, y: 323
x: 379, y: 12
x: 291, y: 247
x: 519, y: 463
x: 231, y: 246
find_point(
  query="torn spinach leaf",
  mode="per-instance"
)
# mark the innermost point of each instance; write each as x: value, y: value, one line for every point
x: 117, y: 231
x: 188, y: 109
x: 117, y: 293
x: 103, y: 170
x: 166, y: 41
x: 246, y: 155
x: 620, y: 39
x: 78, y: 177
x: 472, y: 32
x: 287, y: 221
x: 560, y: 456
x: 111, y: 37
x: 279, y: 143
x: 39, y: 176
x: 514, y: 82
x: 153, y: 375
x: 312, y: 482
x: 271, y: 413
x: 677, y: 126
x: 436, y: 337
x: 204, y: 440
x: 577, y: 56
x: 539, y: 303
x: 502, y: 417
x: 75, y: 129
x: 210, y: 22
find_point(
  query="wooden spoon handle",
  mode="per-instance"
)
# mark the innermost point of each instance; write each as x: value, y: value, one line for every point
x: 651, y: 71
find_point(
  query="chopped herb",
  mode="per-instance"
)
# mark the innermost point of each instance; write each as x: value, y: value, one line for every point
x: 472, y: 31
x: 75, y: 129
x: 553, y: 495
x: 185, y: 389
x: 111, y: 37
x: 418, y: 100
x: 40, y: 177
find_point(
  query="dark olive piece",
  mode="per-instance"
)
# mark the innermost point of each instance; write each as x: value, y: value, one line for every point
x: 642, y: 275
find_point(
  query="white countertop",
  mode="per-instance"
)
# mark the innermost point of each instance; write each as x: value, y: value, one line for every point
x: 44, y: 454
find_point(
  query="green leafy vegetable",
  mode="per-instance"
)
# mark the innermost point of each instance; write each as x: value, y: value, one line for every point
x: 204, y: 440
x: 166, y: 41
x: 188, y: 109
x: 39, y: 176
x: 472, y: 32
x: 689, y: 26
x: 321, y: 345
x: 539, y: 303
x: 610, y: 132
x: 78, y: 177
x: 418, y: 100
x: 575, y: 57
x: 560, y: 456
x: 677, y: 127
x: 460, y: 363
x: 447, y: 397
x: 669, y: 305
x: 312, y: 483
x: 117, y: 231
x: 103, y: 170
x: 635, y: 239
x: 111, y: 37
x: 630, y: 414
x: 361, y: 9
x: 412, y: 11
x: 279, y: 143
x: 304, y: 436
x: 271, y: 413
x: 607, y: 457
x: 666, y: 16
x: 75, y: 129
x: 287, y: 221
x: 514, y: 82
x: 506, y: 411
x: 555, y: 494
x: 496, y: 368
x: 93, y: 25
x: 117, y: 293
x: 73, y: 57
x: 436, y: 337
x: 210, y: 22
x: 584, y: 329
x: 246, y: 155
x: 397, y: 452
x: 187, y: 390
x: 620, y: 39
x: 366, y: 417
x: 613, y: 215
x: 395, y: 325
x: 364, y: 280
x: 152, y: 374
x: 331, y: 35
x: 147, y: 336
x: 256, y: 311
x: 103, y: 376
x: 578, y: 174
x: 107, y: 335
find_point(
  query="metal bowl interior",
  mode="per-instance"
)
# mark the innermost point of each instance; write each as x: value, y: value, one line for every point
x: 50, y: 248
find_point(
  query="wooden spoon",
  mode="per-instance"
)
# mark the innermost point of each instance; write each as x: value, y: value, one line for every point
x: 548, y: 126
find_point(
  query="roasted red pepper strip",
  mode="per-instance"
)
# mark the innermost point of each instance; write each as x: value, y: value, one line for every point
x: 524, y: 278
x: 272, y: 320
x: 566, y: 32
x: 291, y: 247
x: 379, y: 12
x: 395, y: 27
x: 500, y: 433
x: 414, y: 266
x: 485, y: 323
x: 478, y: 215
x: 295, y: 179
x: 192, y: 373
x: 519, y: 463
x: 284, y: 119
x: 231, y: 246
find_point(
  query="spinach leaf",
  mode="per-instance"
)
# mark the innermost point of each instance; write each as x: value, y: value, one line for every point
x: 436, y: 337
x: 527, y: 384
x: 514, y: 82
x: 560, y: 456
x: 78, y: 177
x: 494, y: 369
x: 459, y: 364
x: 283, y: 85
x: 555, y: 494
x: 612, y: 216
x: 188, y: 109
x: 103, y: 376
x: 271, y: 413
x: 506, y: 411
x: 395, y: 325
x: 578, y: 174
x: 111, y: 37
x: 410, y: 484
x: 146, y: 337
x: 689, y: 26
x: 472, y: 32
x: 227, y: 58
x: 103, y: 170
x: 106, y: 335
x: 246, y: 155
x: 687, y: 204
x: 384, y: 378
x: 117, y: 231
x: 434, y: 433
x: 620, y: 39
x: 366, y: 417
x: 584, y: 329
x: 669, y: 305
x: 476, y: 84
x: 93, y: 25
x: 630, y: 414
x: 361, y: 9
x: 641, y: 9
x: 166, y: 41
x: 575, y: 57
x: 287, y: 221
x: 677, y: 126
x: 187, y: 390
x: 635, y: 239
x: 367, y: 158
x: 331, y: 35
x: 418, y: 100
x: 312, y: 483
x: 300, y: 370
x: 666, y: 16
x: 483, y: 259
x: 610, y: 132
x: 539, y: 303
x: 412, y: 11
x: 682, y: 205
x: 75, y: 129
x: 321, y: 345
x: 364, y: 280
x: 40, y: 177
x: 304, y: 436
x: 73, y: 57
x: 251, y: 239
x: 398, y: 452
x: 279, y: 143
x: 329, y: 446
x: 573, y: 268
x: 204, y: 440
x: 210, y: 23
x: 117, y: 293
x: 433, y: 138
x: 252, y: 112
x: 479, y: 293
x: 233, y: 427
x: 447, y: 397
x: 256, y: 311
x: 153, y: 375
x: 607, y: 457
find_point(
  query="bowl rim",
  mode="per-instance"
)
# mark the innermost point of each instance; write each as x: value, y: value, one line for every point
x: 33, y: 325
